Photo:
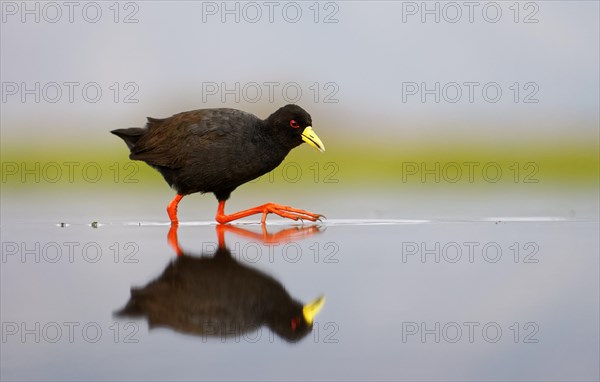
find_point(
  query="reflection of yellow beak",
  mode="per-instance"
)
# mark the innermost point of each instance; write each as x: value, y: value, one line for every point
x: 310, y: 310
x: 309, y: 136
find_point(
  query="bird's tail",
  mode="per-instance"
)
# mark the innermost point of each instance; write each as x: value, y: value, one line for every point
x: 130, y: 136
x: 132, y: 310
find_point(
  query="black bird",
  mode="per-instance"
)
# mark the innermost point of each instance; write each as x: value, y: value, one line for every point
x: 219, y: 296
x: 217, y: 150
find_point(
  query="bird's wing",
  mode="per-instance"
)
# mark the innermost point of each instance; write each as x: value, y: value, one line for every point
x: 170, y: 141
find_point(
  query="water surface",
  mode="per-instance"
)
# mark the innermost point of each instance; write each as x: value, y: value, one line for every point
x: 487, y: 297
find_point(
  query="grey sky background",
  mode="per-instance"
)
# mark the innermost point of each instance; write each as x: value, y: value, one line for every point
x: 175, y: 49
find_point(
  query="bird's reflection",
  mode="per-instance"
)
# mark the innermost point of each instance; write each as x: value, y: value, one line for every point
x: 215, y: 295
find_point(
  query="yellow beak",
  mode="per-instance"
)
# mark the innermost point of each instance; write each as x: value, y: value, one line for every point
x: 309, y: 136
x: 310, y: 310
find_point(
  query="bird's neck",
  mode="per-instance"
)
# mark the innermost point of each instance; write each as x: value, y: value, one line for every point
x: 278, y: 146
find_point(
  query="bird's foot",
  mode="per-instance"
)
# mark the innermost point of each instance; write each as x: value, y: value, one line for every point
x: 269, y: 208
x: 285, y: 235
x: 288, y: 212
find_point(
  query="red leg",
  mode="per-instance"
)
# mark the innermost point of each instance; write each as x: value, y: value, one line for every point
x: 265, y: 209
x: 172, y: 209
x: 173, y: 241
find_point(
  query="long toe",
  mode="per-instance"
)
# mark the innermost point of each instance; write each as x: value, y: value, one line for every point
x: 293, y: 213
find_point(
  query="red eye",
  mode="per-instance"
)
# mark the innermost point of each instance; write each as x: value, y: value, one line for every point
x: 294, y: 124
x: 294, y: 323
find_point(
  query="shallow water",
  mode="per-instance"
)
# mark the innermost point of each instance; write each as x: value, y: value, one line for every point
x: 493, y: 296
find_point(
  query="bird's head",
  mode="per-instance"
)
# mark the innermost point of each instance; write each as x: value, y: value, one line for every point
x: 293, y: 125
x: 294, y: 322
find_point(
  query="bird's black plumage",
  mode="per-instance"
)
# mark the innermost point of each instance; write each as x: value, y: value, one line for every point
x: 217, y: 296
x: 216, y: 150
